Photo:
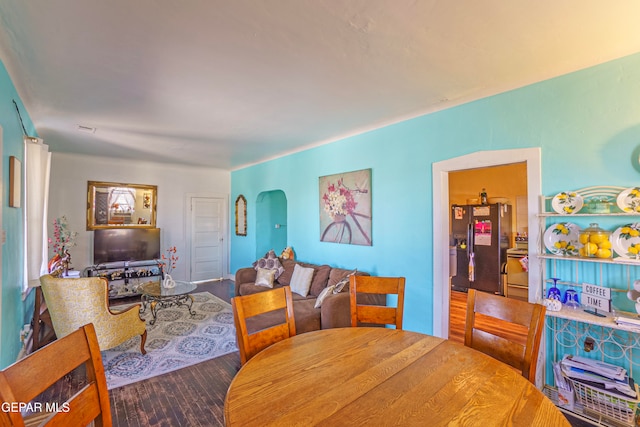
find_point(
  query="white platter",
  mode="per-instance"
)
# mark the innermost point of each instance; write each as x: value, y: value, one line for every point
x: 567, y: 202
x: 625, y: 241
x: 563, y: 239
x: 629, y: 200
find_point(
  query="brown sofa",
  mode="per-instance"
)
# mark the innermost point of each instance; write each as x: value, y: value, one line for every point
x: 335, y: 309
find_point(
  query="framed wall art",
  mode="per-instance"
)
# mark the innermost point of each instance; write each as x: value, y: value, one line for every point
x: 345, y: 208
x: 241, y: 216
x: 120, y: 205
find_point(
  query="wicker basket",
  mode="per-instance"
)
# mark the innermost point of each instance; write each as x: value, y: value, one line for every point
x: 622, y: 410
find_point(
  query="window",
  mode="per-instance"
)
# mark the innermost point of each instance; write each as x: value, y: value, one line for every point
x: 37, y: 165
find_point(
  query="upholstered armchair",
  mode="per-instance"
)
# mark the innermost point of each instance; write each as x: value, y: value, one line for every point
x: 74, y: 302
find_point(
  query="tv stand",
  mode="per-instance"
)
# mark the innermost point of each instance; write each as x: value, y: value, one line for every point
x: 124, y: 277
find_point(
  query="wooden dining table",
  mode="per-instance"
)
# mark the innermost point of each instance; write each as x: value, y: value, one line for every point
x: 379, y: 377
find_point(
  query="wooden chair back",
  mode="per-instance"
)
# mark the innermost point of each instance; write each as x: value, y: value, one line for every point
x: 29, y: 377
x: 506, y: 329
x: 376, y: 314
x: 247, y: 306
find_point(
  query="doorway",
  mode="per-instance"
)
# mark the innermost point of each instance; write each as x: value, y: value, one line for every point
x: 501, y: 184
x: 206, y: 225
x: 271, y: 222
x: 441, y: 203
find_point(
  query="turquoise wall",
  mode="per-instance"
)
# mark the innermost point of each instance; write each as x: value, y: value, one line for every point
x: 14, y: 311
x: 587, y: 124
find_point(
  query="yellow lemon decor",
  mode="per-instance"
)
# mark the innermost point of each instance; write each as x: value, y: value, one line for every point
x: 567, y: 202
x: 562, y: 239
x: 629, y: 200
x: 626, y: 241
x: 590, y: 249
x: 605, y: 244
x: 634, y: 249
x: 596, y: 242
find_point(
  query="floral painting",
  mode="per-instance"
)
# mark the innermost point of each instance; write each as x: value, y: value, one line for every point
x: 345, y: 208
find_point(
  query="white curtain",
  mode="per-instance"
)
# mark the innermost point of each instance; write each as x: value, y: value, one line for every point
x: 37, y: 160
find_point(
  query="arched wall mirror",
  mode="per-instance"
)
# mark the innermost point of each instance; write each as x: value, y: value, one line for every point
x: 118, y: 205
x: 241, y: 216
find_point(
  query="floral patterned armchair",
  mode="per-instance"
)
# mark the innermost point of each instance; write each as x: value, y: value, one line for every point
x: 74, y: 302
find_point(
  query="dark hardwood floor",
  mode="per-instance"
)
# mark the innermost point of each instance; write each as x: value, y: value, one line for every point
x: 192, y: 396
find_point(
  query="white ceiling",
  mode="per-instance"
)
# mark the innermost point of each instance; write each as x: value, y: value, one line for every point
x: 227, y: 83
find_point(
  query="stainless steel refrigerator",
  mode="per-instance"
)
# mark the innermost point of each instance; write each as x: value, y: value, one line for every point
x: 480, y: 237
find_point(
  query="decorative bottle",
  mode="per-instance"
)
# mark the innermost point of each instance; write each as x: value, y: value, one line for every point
x: 483, y: 197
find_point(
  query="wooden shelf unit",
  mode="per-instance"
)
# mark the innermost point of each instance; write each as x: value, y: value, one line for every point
x: 124, y: 277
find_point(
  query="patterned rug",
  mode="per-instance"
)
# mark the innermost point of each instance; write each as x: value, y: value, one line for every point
x: 175, y: 341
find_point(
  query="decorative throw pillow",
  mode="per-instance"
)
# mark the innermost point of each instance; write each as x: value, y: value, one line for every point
x: 343, y: 282
x: 301, y: 280
x: 271, y: 262
x: 326, y: 291
x: 320, y: 278
x: 265, y: 277
x: 288, y: 265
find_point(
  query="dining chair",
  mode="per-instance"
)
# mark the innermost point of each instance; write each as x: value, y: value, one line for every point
x: 27, y: 378
x: 277, y: 302
x: 365, y: 312
x: 506, y: 329
x: 74, y: 302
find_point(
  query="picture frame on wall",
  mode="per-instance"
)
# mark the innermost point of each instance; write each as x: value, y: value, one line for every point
x: 345, y: 208
x: 15, y: 182
x: 241, y: 216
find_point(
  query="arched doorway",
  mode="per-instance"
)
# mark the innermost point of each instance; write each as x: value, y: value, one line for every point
x: 271, y: 222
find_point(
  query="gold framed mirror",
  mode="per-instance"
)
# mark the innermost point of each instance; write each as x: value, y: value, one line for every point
x: 241, y: 216
x: 119, y: 205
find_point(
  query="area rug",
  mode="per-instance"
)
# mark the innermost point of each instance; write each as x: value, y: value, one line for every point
x: 175, y: 341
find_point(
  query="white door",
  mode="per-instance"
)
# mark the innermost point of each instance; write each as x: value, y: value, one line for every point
x: 207, y: 238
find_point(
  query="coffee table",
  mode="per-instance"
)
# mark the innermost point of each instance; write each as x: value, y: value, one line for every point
x: 157, y: 297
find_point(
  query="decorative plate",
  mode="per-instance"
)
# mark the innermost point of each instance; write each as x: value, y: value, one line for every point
x: 563, y: 239
x: 629, y: 200
x: 626, y: 241
x: 567, y: 202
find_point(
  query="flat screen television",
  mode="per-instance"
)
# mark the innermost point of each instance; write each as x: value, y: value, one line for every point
x: 126, y: 244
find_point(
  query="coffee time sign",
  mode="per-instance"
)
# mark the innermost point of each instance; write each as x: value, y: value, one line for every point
x: 596, y: 297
